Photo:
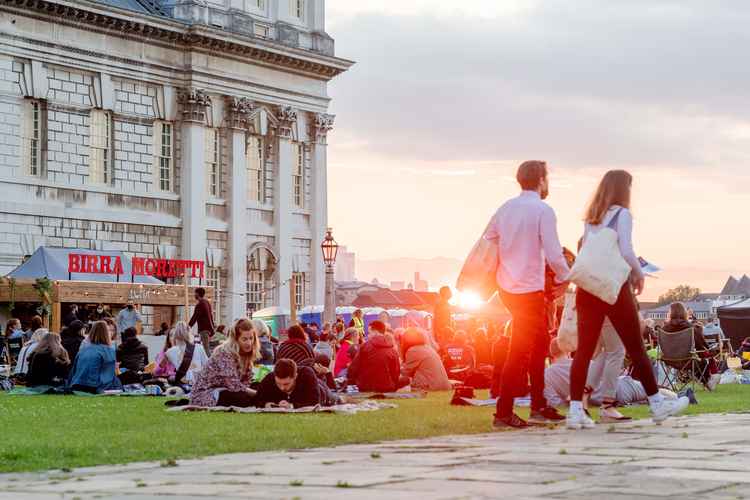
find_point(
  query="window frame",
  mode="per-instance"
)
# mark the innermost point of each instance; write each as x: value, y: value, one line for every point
x: 298, y: 176
x: 34, y: 138
x: 101, y: 157
x: 213, y: 279
x: 255, y: 289
x: 213, y: 162
x: 255, y: 165
x: 300, y: 289
x: 297, y: 9
x: 160, y: 158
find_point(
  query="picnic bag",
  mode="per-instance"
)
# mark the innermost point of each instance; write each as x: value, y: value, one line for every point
x: 479, y: 272
x: 567, y: 334
x: 599, y: 268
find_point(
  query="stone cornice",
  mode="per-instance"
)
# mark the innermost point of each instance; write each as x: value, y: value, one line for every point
x: 98, y: 17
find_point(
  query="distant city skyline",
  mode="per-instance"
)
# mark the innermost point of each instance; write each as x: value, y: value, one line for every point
x: 422, y: 156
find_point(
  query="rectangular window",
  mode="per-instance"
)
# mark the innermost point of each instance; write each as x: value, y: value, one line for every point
x: 213, y: 278
x: 254, y: 296
x: 213, y: 163
x: 101, y: 166
x: 163, y: 156
x: 260, y: 4
x: 298, y: 8
x: 298, y: 175
x: 299, y: 289
x: 256, y: 185
x: 34, y: 136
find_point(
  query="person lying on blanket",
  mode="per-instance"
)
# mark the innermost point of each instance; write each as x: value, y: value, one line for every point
x: 290, y: 386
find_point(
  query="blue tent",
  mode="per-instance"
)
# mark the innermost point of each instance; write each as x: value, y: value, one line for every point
x: 52, y: 263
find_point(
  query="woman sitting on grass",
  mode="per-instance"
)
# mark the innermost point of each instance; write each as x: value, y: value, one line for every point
x: 22, y: 365
x: 163, y: 368
x: 187, y: 357
x: 94, y: 368
x: 346, y: 353
x: 49, y: 363
x: 421, y: 363
x: 225, y: 381
x: 132, y: 355
x: 267, y: 349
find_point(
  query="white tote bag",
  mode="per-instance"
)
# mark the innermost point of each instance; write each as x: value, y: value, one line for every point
x: 567, y: 333
x: 599, y: 268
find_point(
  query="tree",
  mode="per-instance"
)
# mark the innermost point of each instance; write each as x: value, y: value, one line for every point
x: 681, y: 293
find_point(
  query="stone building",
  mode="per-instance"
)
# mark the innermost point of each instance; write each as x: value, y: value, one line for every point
x: 185, y: 129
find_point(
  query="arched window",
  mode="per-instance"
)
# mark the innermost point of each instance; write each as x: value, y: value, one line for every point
x: 260, y: 290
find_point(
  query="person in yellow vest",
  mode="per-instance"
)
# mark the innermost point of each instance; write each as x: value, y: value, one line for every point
x: 358, y: 322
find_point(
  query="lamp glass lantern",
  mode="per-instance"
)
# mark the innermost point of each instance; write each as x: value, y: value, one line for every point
x: 330, y: 248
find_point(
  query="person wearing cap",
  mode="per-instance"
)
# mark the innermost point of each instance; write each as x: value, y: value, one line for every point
x: 128, y: 318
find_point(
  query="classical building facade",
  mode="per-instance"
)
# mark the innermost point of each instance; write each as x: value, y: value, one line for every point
x: 184, y: 129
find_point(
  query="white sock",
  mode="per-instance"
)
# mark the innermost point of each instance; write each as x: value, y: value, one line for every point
x: 655, y: 400
x: 576, y: 407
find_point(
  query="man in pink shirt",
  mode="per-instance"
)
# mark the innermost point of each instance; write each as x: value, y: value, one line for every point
x: 525, y: 228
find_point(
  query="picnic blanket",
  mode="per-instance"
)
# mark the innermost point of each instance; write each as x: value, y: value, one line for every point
x: 522, y: 402
x: 342, y: 409
x: 387, y: 395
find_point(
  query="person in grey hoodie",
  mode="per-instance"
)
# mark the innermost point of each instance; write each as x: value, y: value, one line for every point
x: 421, y: 363
x: 267, y: 351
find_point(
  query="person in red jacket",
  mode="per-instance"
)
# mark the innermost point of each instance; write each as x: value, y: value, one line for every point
x: 204, y: 316
x: 376, y: 367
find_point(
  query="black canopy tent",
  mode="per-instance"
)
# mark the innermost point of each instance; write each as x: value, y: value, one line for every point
x: 735, y: 321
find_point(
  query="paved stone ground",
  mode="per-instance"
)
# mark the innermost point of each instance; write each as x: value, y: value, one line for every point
x: 686, y: 458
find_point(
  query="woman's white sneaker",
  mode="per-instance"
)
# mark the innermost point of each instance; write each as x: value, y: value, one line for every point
x: 667, y: 408
x: 577, y: 421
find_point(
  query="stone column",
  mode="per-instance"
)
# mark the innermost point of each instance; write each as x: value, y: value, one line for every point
x: 320, y: 125
x: 238, y: 111
x: 193, y: 104
x: 284, y: 204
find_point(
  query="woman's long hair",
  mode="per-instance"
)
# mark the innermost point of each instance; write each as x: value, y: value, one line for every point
x: 677, y: 311
x: 232, y: 345
x: 99, y: 334
x: 614, y: 189
x: 51, y: 344
x: 9, y: 326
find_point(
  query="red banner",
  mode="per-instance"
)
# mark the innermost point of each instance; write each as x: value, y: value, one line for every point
x: 158, y: 268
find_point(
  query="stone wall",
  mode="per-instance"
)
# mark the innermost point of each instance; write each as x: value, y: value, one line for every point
x: 67, y: 145
x: 135, y: 98
x: 133, y: 145
x: 10, y: 116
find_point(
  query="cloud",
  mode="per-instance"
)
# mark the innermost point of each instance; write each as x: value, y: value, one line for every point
x: 581, y: 84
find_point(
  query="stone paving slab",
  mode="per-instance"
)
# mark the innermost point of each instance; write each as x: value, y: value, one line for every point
x: 690, y: 458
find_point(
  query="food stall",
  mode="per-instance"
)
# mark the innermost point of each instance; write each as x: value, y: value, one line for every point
x: 54, y: 277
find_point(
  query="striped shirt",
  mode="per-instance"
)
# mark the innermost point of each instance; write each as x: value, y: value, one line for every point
x: 298, y: 351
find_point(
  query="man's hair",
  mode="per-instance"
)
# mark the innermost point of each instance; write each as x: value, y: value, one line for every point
x: 36, y: 323
x: 285, y: 368
x: 377, y: 326
x: 296, y: 332
x: 200, y: 292
x: 530, y: 174
x: 129, y: 333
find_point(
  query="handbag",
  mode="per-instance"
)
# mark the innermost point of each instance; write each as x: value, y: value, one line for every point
x: 479, y: 272
x: 567, y: 334
x: 599, y: 268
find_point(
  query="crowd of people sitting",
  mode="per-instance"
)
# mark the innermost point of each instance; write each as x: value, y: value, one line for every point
x: 316, y: 366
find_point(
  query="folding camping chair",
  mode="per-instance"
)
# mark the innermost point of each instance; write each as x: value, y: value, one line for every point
x: 681, y: 362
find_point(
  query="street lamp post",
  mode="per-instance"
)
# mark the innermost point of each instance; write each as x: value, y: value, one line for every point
x: 330, y: 249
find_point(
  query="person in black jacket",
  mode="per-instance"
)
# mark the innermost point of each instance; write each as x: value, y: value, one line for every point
x: 291, y: 387
x: 132, y: 355
x: 72, y: 337
x: 49, y: 363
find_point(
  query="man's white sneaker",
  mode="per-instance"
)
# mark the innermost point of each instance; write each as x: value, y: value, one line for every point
x: 667, y: 408
x: 713, y: 381
x: 577, y: 421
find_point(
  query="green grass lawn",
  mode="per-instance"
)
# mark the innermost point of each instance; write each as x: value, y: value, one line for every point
x: 53, y: 432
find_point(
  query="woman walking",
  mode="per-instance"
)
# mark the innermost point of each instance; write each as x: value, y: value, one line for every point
x: 610, y: 207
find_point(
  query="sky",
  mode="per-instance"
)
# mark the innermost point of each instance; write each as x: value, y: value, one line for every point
x: 447, y: 98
